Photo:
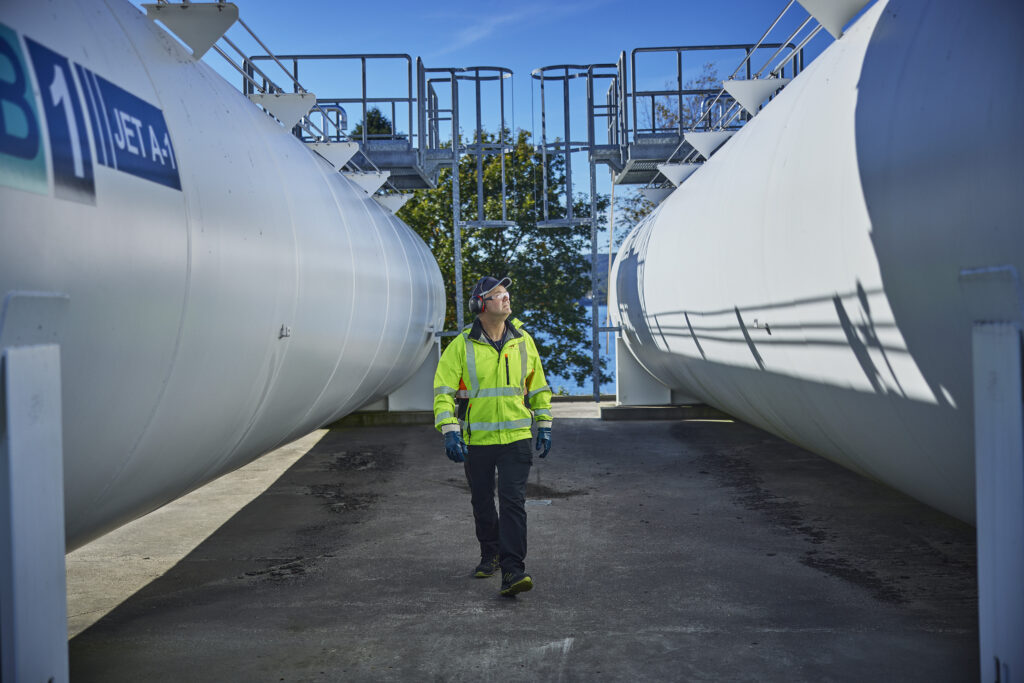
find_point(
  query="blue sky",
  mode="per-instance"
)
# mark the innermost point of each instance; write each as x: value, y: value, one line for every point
x: 520, y: 36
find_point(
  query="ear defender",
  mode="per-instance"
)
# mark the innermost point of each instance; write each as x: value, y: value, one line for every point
x: 476, y: 304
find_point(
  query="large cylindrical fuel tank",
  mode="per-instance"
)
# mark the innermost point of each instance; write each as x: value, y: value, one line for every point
x: 807, y: 278
x: 229, y: 291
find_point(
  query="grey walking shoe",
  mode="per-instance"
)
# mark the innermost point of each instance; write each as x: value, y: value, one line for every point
x: 487, y: 567
x: 515, y: 582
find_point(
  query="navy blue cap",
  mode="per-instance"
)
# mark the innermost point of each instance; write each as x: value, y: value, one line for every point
x: 484, y: 286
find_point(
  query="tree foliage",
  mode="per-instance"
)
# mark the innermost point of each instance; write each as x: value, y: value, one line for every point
x: 549, y: 268
x: 377, y: 125
x: 670, y: 111
x: 629, y: 211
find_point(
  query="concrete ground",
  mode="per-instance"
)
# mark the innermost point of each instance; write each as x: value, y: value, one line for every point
x: 661, y: 550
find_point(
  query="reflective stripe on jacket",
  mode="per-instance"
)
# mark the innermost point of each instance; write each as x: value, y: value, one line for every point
x: 505, y: 392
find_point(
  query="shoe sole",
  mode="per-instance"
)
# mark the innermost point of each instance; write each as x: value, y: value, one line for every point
x: 482, y: 575
x: 521, y: 586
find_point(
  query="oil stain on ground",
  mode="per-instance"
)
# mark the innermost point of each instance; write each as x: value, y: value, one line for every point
x: 895, y: 565
x: 533, y: 490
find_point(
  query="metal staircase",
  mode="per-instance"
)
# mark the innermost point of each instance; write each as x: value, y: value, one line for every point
x: 659, y: 155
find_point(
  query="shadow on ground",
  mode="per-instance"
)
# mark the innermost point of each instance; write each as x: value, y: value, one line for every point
x: 715, y: 551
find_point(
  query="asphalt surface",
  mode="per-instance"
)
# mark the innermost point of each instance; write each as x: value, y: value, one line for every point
x: 660, y: 550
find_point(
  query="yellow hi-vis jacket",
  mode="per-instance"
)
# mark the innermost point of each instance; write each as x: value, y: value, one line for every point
x: 494, y: 387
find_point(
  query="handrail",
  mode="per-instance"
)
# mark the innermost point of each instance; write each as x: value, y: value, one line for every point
x: 761, y: 40
x: 636, y: 94
x: 726, y: 118
x: 783, y: 46
x: 271, y: 87
x: 774, y: 73
x: 261, y: 44
x: 800, y: 46
x: 408, y: 99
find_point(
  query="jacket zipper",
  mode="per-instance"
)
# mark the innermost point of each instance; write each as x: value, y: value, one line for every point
x: 508, y: 382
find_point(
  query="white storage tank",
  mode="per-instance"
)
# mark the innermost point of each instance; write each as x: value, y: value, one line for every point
x: 807, y: 279
x: 228, y: 290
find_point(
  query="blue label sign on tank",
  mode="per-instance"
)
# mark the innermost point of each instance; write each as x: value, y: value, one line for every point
x: 131, y: 134
x: 69, y: 142
x: 22, y: 162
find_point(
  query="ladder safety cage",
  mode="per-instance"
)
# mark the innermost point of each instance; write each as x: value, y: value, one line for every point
x: 565, y: 146
x: 612, y: 111
x: 480, y: 148
x: 440, y: 93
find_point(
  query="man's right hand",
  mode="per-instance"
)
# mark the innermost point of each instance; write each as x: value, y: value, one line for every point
x: 454, y: 447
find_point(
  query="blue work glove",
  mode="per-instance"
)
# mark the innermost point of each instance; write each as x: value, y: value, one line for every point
x: 543, y: 440
x: 454, y: 447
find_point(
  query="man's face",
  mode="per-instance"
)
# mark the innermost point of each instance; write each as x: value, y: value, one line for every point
x: 498, y: 302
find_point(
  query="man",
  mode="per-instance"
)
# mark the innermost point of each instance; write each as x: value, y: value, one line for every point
x: 494, y: 369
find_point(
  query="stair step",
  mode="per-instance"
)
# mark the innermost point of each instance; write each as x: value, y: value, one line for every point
x: 286, y: 107
x: 198, y: 24
x: 369, y: 181
x: 833, y: 14
x: 338, y: 153
x: 656, y: 195
x: 677, y: 173
x: 752, y: 92
x: 706, y: 142
x: 393, y: 202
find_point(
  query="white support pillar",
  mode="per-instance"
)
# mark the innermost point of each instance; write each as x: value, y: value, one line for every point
x: 634, y: 386
x: 999, y: 486
x: 33, y: 596
x: 418, y: 392
x: 995, y: 298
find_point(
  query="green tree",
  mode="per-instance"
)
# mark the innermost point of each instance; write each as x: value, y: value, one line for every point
x: 629, y: 211
x: 548, y: 267
x: 377, y: 125
x: 670, y: 110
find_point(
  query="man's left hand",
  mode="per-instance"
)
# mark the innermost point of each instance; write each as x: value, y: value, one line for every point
x: 543, y: 440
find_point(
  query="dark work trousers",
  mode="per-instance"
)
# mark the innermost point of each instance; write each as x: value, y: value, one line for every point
x: 501, y: 532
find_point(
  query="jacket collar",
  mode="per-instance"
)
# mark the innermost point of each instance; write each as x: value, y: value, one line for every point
x: 512, y: 325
